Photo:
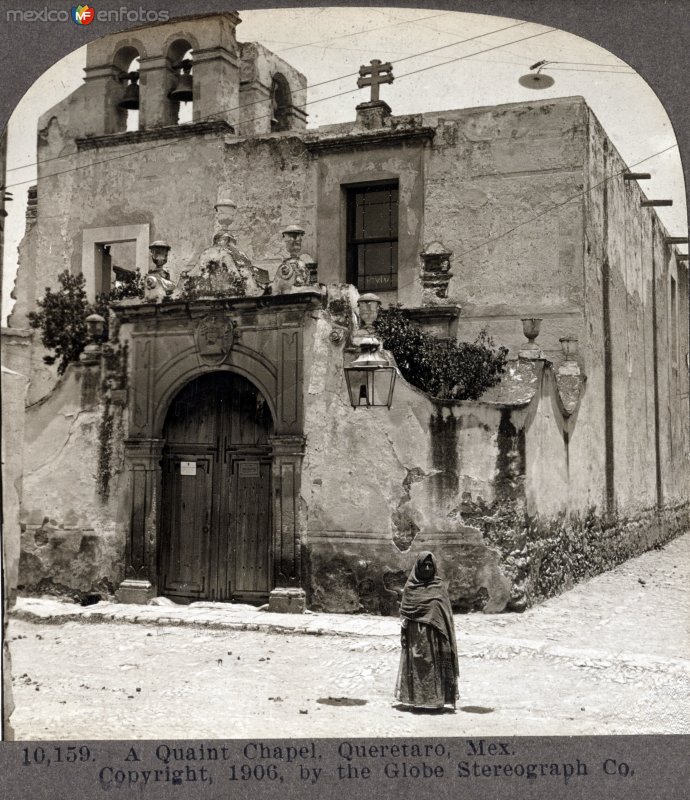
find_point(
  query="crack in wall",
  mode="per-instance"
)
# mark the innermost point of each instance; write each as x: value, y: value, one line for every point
x: 405, y: 528
x: 64, y: 445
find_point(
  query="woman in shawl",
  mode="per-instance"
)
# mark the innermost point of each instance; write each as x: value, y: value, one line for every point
x: 428, y: 674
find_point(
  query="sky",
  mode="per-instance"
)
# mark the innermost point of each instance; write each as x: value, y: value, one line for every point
x: 328, y: 45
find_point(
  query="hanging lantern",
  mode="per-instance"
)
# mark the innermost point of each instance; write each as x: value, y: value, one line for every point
x: 184, y: 91
x: 130, y: 99
x: 370, y: 378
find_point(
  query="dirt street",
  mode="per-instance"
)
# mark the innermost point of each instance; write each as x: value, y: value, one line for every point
x: 611, y: 656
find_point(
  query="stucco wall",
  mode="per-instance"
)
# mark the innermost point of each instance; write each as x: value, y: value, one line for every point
x: 70, y: 536
x: 492, y: 170
x: 379, y: 485
x: 637, y: 404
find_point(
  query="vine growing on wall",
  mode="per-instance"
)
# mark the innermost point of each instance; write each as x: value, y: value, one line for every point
x: 105, y: 451
x: 61, y: 315
x: 442, y: 368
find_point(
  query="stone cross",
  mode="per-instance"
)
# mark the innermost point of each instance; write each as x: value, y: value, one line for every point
x: 378, y: 73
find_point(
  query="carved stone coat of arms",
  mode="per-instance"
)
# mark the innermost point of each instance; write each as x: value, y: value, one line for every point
x: 214, y: 338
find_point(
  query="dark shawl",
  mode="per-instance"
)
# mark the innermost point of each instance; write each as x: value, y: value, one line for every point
x: 428, y: 602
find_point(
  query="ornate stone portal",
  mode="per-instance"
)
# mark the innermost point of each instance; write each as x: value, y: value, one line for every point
x: 261, y: 339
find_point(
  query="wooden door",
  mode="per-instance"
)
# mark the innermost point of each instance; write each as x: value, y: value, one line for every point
x: 250, y: 514
x: 215, y: 519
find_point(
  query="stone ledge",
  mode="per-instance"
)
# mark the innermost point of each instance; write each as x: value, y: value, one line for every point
x: 186, y: 131
x: 384, y: 137
x: 133, y: 309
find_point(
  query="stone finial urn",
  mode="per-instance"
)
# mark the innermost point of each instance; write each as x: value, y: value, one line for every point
x: 157, y: 283
x: 368, y: 307
x: 569, y: 346
x: 530, y: 327
x: 225, y: 213
x: 95, y: 326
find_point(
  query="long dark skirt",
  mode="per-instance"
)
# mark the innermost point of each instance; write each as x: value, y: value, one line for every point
x: 426, y: 677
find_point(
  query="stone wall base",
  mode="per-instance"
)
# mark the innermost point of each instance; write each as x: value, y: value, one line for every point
x: 287, y: 601
x: 70, y: 562
x: 348, y: 575
x: 135, y: 591
x: 544, y: 557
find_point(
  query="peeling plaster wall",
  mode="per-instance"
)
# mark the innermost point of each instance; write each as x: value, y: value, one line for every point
x: 13, y: 397
x: 69, y: 535
x: 380, y: 485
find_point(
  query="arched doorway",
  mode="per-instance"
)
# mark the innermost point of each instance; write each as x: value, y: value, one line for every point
x: 215, y: 521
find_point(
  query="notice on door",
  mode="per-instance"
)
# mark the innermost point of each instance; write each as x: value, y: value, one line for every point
x: 187, y: 467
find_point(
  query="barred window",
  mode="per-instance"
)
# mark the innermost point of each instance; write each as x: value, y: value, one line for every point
x: 372, y: 237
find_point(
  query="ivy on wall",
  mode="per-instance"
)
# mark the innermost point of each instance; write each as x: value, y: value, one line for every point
x: 442, y: 368
x: 61, y: 315
x: 543, y: 557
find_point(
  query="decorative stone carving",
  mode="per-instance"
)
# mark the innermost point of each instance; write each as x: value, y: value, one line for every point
x: 569, y: 380
x: 157, y: 283
x: 223, y: 270
x: 436, y: 272
x: 292, y: 275
x: 368, y: 307
x: 214, y: 337
x: 312, y: 266
x: 570, y: 388
x: 530, y: 327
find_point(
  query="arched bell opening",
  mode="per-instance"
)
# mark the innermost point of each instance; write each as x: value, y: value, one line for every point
x: 281, y: 103
x: 180, y: 57
x: 126, y: 64
x: 215, y: 517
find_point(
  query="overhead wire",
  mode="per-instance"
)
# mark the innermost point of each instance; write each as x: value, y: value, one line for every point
x: 549, y: 209
x: 215, y: 114
x: 404, y: 75
x: 368, y: 30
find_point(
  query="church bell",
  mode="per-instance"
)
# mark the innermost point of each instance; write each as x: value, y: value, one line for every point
x: 130, y: 99
x: 183, y: 91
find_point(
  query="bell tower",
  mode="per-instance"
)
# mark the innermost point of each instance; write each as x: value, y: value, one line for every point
x: 184, y: 70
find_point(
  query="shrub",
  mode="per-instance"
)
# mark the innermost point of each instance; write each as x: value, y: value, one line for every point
x: 61, y: 315
x: 441, y: 368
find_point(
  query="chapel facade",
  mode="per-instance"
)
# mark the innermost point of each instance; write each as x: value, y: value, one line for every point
x: 210, y: 449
